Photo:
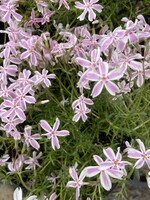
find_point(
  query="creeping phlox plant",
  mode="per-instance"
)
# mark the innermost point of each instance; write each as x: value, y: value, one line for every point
x: 51, y: 79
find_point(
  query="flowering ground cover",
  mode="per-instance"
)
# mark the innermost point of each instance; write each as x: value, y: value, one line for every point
x: 74, y: 97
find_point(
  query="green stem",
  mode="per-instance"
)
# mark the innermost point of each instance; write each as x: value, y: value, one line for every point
x: 24, y: 185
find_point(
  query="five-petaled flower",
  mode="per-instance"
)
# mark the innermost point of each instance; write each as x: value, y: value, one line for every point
x: 104, y: 77
x: 142, y: 156
x: 88, y: 6
x: 53, y: 133
x: 77, y: 181
x: 105, y: 170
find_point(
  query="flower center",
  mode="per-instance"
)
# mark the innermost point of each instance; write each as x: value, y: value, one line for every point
x: 116, y: 162
x: 144, y: 156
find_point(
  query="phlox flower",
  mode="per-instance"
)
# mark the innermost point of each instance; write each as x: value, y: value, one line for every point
x: 11, y: 123
x: 46, y: 16
x: 53, y: 133
x: 16, y: 164
x: 31, y: 139
x: 7, y: 70
x: 141, y: 73
x: 13, y: 109
x: 43, y: 78
x: 88, y: 6
x: 142, y: 156
x: 125, y: 87
x: 33, y: 20
x: 105, y: 170
x: 22, y: 97
x: 77, y: 181
x: 114, y: 161
x: 41, y: 5
x: 131, y: 30
x: 32, y: 162
x: 30, y: 51
x: 9, y: 11
x: 13, y: 30
x: 14, y: 133
x: 10, y: 47
x: 115, y: 38
x: 80, y: 112
x: 24, y: 79
x: 6, y: 92
x: 82, y: 100
x: 90, y: 65
x: 104, y: 77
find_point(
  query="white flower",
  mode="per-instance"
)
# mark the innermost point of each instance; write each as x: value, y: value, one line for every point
x: 18, y: 195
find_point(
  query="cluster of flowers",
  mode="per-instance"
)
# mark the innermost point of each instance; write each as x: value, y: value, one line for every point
x: 104, y: 58
x: 112, y: 167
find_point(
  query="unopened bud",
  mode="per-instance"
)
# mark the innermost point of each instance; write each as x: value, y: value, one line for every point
x: 45, y: 101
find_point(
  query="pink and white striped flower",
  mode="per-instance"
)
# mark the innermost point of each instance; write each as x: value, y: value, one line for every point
x: 105, y: 170
x: 88, y: 7
x: 53, y: 133
x: 142, y: 156
x: 30, y: 52
x: 77, y: 181
x: 9, y: 11
x: 12, y: 109
x: 31, y: 139
x: 43, y: 78
x: 32, y: 162
x: 104, y: 77
x: 81, y: 112
x: 22, y: 97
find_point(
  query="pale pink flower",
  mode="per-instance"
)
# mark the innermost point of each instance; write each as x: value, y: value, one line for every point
x: 141, y: 73
x: 33, y: 20
x: 46, y: 16
x: 11, y: 123
x: 13, y: 109
x: 31, y: 139
x: 52, y: 197
x: 142, y: 156
x: 81, y: 112
x: 6, y: 70
x: 30, y: 51
x: 125, y: 87
x: 104, y: 77
x: 41, y: 5
x: 16, y: 165
x: 88, y: 6
x: 10, y: 47
x: 32, y: 162
x: 105, y: 171
x: 22, y: 97
x: 6, y: 92
x: 53, y: 133
x: 82, y: 100
x: 43, y: 78
x: 77, y: 181
x: 9, y: 11
x: 114, y: 161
